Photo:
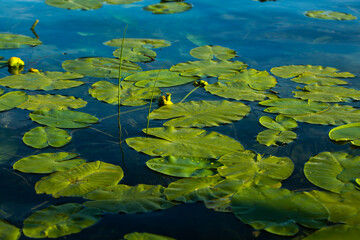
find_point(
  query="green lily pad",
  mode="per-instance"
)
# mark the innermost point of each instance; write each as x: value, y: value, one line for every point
x: 277, y: 210
x: 211, y: 51
x: 330, y: 15
x: 139, y: 54
x: 347, y: 132
x: 163, y: 78
x: 100, y: 67
x: 309, y: 78
x: 236, y: 90
x: 121, y: 1
x: 129, y: 94
x: 126, y: 199
x: 80, y: 180
x: 333, y: 171
x: 48, y: 102
x: 184, y: 166
x: 8, y: 231
x: 12, y: 100
x: 42, y: 137
x: 335, y: 232
x: 42, y: 81
x: 249, y: 168
x: 138, y: 43
x: 61, y: 220
x: 75, y: 4
x: 145, y: 236
x: 63, y: 118
x: 208, y: 68
x: 257, y: 80
x: 297, y: 70
x: 201, y: 113
x: 281, y: 123
x: 271, y: 137
x: 48, y: 162
x: 11, y: 41
x: 168, y: 7
x: 186, y: 142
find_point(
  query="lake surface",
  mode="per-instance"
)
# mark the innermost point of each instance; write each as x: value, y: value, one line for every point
x: 264, y: 35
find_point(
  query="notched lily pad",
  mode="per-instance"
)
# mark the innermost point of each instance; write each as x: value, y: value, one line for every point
x: 42, y: 137
x: 11, y: 41
x: 168, y: 7
x: 75, y: 4
x: 8, y: 231
x: 48, y: 102
x: 309, y: 78
x: 347, y: 132
x: 12, y: 100
x: 138, y: 43
x: 139, y: 54
x: 271, y: 137
x: 330, y: 15
x: 281, y: 123
x: 211, y: 51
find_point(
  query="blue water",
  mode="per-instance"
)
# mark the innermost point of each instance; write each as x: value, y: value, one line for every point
x: 265, y: 35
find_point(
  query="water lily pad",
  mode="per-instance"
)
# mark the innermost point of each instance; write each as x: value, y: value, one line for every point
x: 236, y: 90
x: 12, y: 99
x: 100, y: 67
x: 330, y: 15
x: 80, y: 180
x: 277, y: 210
x: 61, y: 220
x: 186, y: 142
x: 211, y: 51
x: 163, y: 78
x: 48, y: 102
x: 8, y: 231
x: 208, y: 68
x: 333, y: 171
x: 121, y: 1
x: 296, y: 70
x: 257, y: 80
x: 138, y: 43
x: 168, y: 7
x: 48, y: 162
x: 347, y: 132
x: 126, y: 199
x: 145, y: 236
x: 42, y: 81
x: 201, y: 113
x: 63, y: 118
x: 335, y: 232
x: 184, y: 166
x: 281, y: 123
x: 139, y: 54
x: 75, y: 4
x: 309, y: 78
x: 11, y: 41
x: 42, y: 137
x: 129, y: 94
x: 271, y: 137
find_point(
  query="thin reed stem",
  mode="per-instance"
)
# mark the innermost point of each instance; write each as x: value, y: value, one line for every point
x: 189, y: 94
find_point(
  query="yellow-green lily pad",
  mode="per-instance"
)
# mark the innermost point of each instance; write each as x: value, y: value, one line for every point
x: 272, y: 137
x: 11, y: 41
x: 121, y: 1
x: 75, y: 4
x: 335, y: 232
x: 139, y: 54
x: 281, y: 123
x: 145, y: 236
x: 42, y: 137
x: 137, y: 43
x: 48, y: 102
x: 309, y: 78
x: 12, y: 100
x: 168, y: 7
x: 330, y: 15
x: 211, y: 51
x: 8, y: 231
x: 297, y: 70
x: 347, y: 132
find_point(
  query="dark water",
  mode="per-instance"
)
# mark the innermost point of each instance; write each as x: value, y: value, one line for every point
x: 265, y: 35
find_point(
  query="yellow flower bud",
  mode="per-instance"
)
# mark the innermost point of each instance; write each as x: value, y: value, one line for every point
x: 15, y: 62
x: 34, y: 70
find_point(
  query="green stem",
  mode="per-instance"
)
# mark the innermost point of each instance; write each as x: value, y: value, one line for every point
x: 189, y: 94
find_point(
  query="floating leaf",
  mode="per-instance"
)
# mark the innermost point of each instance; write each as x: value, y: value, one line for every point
x: 281, y: 123
x: 139, y: 54
x: 126, y: 199
x: 100, y: 67
x: 347, y: 132
x: 327, y: 93
x: 138, y: 43
x: 201, y: 113
x: 290, y: 106
x: 296, y: 70
x: 183, y: 166
x: 208, y: 68
x: 48, y: 102
x: 63, y: 118
x: 309, y: 78
x: 236, y: 90
x: 8, y: 231
x: 12, y: 99
x: 186, y: 142
x: 42, y: 81
x: 129, y: 94
x: 257, y: 80
x: 271, y: 137
x: 80, y: 180
x: 11, y: 41
x: 121, y: 1
x: 333, y: 171
x: 145, y: 236
x: 168, y: 7
x: 48, y: 162
x: 42, y: 137
x: 211, y: 51
x: 335, y: 232
x: 61, y: 220
x: 277, y: 210
x: 75, y: 4
x: 329, y: 15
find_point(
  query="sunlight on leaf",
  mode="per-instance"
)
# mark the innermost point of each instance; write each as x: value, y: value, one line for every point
x: 211, y: 51
x: 11, y: 41
x: 42, y: 137
x: 121, y: 1
x: 347, y: 132
x: 48, y: 102
x: 8, y: 231
x: 309, y: 78
x: 12, y: 99
x: 75, y: 4
x: 297, y: 70
x: 138, y: 43
x: 139, y: 54
x: 271, y: 137
x: 330, y: 15
x: 281, y: 123
x: 335, y: 232
x: 168, y: 7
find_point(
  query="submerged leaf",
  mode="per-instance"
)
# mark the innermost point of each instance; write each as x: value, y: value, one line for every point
x: 42, y: 137
x: 168, y: 7
x: 211, y: 51
x: 11, y: 41
x: 61, y: 220
x: 145, y: 236
x: 137, y: 43
x: 271, y: 137
x: 201, y: 113
x: 80, y: 180
x: 8, y: 231
x: 12, y: 99
x: 297, y: 70
x: 139, y: 54
x: 347, y: 132
x: 75, y: 4
x: 48, y: 102
x: 330, y: 15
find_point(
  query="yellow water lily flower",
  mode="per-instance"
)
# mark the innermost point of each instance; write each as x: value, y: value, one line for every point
x: 165, y: 100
